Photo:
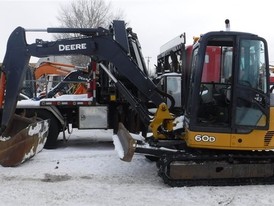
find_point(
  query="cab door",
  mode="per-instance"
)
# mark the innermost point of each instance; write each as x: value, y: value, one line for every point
x: 251, y: 89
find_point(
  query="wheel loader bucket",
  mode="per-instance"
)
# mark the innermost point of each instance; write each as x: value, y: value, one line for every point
x: 125, y: 145
x: 21, y: 140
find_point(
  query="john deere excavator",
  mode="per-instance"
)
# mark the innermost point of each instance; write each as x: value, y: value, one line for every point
x: 227, y: 133
x: 228, y: 128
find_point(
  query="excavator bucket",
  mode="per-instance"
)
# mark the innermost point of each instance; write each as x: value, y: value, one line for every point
x: 20, y: 137
x: 125, y: 145
x: 21, y: 140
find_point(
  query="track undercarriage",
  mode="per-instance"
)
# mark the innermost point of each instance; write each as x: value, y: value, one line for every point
x: 200, y: 167
x: 216, y: 168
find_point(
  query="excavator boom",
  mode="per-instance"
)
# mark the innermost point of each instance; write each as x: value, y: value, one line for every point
x: 99, y: 43
x: 102, y: 44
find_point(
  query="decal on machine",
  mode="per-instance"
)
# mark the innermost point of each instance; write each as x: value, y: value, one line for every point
x: 71, y: 47
x: 204, y: 138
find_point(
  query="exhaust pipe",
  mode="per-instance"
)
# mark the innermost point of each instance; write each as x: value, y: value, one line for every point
x: 227, y: 25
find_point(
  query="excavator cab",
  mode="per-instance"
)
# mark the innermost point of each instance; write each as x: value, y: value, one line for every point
x: 228, y: 91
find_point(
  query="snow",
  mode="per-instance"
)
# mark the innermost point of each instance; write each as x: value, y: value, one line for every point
x: 3, y: 139
x: 66, y: 97
x: 86, y: 170
x: 118, y: 146
x: 34, y: 129
x: 178, y: 122
x: 70, y: 97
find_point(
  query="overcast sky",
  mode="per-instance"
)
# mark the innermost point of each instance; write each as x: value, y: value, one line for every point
x: 155, y: 21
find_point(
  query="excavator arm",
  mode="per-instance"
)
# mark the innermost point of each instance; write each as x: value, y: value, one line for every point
x: 20, y: 138
x: 100, y: 44
x: 109, y: 45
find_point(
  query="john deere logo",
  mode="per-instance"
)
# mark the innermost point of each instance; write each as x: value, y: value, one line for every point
x: 72, y: 47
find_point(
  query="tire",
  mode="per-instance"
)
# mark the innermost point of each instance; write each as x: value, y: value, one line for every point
x: 54, y: 128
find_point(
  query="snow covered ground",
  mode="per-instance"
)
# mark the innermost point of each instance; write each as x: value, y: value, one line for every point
x: 86, y: 170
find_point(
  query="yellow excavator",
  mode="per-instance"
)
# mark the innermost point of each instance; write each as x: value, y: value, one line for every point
x: 224, y: 136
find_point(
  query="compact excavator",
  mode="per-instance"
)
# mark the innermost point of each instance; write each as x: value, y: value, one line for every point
x: 227, y: 132
x: 225, y: 136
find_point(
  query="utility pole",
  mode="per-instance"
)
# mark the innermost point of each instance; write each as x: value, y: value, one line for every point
x: 148, y: 60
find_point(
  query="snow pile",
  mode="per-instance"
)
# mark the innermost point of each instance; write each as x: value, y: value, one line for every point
x: 118, y: 146
x: 137, y: 136
x: 3, y: 138
x: 179, y: 122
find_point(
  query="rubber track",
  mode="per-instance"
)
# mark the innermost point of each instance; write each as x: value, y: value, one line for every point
x: 204, y: 156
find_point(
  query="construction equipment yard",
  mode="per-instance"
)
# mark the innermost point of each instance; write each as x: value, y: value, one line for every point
x: 196, y: 129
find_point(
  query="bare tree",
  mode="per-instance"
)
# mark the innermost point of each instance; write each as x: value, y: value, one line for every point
x: 86, y: 14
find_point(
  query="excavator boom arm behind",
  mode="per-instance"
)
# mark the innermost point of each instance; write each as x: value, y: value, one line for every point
x: 52, y: 68
x: 103, y: 44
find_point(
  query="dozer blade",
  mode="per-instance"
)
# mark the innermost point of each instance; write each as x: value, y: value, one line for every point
x: 22, y: 139
x: 125, y: 145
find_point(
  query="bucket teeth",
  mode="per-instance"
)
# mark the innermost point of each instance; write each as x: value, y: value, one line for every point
x: 127, y: 143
